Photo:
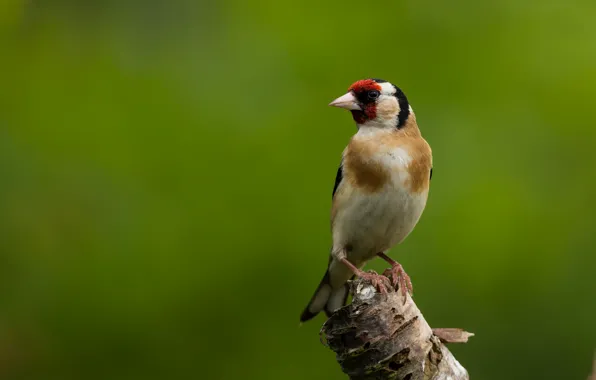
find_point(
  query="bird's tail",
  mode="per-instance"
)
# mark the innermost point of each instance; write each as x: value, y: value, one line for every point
x: 325, y: 298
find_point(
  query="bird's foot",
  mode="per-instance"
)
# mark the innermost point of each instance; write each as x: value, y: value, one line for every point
x: 380, y: 282
x: 399, y: 276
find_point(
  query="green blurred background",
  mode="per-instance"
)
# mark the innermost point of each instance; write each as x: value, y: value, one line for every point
x: 166, y: 170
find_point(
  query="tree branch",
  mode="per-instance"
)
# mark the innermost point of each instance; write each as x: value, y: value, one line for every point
x: 382, y: 337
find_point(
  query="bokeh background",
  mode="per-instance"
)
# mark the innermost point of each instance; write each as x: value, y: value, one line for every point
x: 166, y: 170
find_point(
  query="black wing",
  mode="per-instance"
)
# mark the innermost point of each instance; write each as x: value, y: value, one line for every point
x: 338, y: 178
x: 431, y: 173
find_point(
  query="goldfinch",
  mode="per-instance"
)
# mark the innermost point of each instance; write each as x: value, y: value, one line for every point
x: 380, y: 191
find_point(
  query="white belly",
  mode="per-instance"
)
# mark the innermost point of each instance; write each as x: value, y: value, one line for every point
x: 373, y: 223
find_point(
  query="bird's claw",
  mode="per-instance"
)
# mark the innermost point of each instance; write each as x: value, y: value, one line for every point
x: 380, y: 282
x: 399, y: 276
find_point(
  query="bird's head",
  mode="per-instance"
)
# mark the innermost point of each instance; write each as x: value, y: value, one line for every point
x: 375, y: 103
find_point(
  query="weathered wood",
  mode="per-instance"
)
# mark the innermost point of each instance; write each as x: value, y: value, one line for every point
x: 384, y: 336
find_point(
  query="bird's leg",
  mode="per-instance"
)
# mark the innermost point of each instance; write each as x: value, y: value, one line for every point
x: 376, y: 279
x: 398, y: 274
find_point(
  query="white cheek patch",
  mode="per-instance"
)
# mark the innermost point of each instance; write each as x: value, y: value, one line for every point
x: 387, y: 107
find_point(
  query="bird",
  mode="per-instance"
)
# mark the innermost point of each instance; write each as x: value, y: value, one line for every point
x: 380, y: 191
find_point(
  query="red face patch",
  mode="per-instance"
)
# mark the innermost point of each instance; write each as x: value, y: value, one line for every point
x: 365, y: 85
x: 369, y: 111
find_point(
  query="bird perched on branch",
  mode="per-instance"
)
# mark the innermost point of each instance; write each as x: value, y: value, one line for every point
x: 380, y: 191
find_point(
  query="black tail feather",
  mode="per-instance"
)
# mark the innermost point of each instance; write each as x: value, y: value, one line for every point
x: 330, y: 304
x: 307, y: 314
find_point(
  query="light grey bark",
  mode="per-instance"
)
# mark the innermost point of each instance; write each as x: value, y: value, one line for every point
x: 382, y: 336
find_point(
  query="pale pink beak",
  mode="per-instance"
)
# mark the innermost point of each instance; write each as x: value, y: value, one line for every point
x: 347, y: 101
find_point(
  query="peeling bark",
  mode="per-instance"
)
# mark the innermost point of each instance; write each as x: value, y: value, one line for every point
x: 384, y: 336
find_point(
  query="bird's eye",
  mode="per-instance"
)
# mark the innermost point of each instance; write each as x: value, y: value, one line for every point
x: 372, y: 95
